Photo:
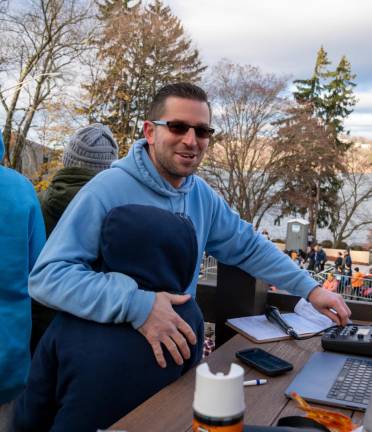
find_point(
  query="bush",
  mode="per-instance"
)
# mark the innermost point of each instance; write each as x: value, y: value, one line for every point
x: 357, y: 247
x: 327, y: 244
x: 342, y: 245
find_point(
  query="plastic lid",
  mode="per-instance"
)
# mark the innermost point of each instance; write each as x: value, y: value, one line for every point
x: 219, y: 395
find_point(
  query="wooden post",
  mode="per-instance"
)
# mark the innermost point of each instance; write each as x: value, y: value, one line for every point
x: 238, y: 294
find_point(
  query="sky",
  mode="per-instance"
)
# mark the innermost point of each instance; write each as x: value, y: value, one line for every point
x: 283, y: 37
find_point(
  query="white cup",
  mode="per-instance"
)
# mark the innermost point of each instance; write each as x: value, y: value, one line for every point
x: 219, y: 395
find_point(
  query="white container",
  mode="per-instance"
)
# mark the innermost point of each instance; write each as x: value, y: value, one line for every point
x: 219, y: 398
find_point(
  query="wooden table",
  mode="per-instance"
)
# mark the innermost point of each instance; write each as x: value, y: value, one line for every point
x: 171, y: 409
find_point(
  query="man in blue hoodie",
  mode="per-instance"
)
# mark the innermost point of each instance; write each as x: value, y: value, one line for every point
x: 22, y: 236
x: 159, y: 171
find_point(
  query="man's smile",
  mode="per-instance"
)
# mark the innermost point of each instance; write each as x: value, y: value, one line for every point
x: 185, y: 155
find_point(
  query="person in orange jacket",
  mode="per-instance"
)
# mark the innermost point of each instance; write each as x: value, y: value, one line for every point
x: 357, y: 281
x: 331, y: 283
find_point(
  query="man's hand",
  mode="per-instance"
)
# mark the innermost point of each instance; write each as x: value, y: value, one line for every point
x: 165, y: 326
x: 330, y: 304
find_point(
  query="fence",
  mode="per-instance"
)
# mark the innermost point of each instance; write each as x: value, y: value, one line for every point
x: 344, y: 285
x: 208, y: 267
x: 349, y: 287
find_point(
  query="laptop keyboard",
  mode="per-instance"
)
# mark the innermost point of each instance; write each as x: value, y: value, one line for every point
x: 354, y: 382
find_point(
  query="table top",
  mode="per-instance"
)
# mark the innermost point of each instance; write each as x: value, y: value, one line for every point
x: 171, y: 408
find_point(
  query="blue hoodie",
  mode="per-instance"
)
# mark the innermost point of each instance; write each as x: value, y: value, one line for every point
x: 64, y: 276
x: 22, y: 236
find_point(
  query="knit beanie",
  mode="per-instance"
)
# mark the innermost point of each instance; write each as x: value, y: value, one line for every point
x: 92, y: 147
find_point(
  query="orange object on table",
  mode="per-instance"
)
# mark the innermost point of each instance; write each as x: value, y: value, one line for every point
x: 334, y: 421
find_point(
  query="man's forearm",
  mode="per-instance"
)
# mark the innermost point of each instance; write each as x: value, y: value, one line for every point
x: 101, y: 297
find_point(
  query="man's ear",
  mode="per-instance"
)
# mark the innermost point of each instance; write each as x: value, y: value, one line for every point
x: 149, y: 131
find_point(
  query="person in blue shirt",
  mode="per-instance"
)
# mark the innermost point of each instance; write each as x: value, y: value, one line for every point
x: 159, y: 170
x: 22, y: 235
x: 347, y: 261
x: 320, y: 258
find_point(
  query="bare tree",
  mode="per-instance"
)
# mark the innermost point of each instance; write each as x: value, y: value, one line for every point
x: 42, y: 39
x: 240, y: 164
x: 351, y: 211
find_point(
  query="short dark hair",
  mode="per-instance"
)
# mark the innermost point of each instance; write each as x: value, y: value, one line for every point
x: 183, y: 90
x: 356, y: 269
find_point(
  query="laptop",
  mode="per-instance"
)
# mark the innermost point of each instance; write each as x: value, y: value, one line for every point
x: 335, y: 379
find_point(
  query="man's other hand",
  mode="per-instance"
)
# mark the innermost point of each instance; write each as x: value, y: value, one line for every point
x: 165, y: 326
x: 330, y: 304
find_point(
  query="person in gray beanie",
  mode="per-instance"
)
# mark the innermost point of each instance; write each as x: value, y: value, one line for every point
x: 92, y: 147
x: 89, y: 151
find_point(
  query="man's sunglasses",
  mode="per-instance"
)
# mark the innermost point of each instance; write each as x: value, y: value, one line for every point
x: 181, y: 128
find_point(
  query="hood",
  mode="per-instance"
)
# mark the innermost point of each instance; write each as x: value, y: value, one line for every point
x: 1, y: 146
x: 138, y: 164
x: 153, y: 246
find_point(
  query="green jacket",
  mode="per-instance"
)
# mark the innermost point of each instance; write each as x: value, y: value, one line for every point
x: 65, y: 185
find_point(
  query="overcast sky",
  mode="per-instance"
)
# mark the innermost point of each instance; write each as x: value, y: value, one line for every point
x: 283, y: 37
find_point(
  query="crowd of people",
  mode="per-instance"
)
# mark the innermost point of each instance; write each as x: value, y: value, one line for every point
x: 350, y: 282
x: 341, y: 277
x: 313, y: 259
x: 114, y: 317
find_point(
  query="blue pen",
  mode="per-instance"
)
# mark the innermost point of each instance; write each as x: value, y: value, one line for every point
x: 254, y: 382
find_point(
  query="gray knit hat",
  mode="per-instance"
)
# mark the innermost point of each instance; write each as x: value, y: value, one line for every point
x: 91, y: 147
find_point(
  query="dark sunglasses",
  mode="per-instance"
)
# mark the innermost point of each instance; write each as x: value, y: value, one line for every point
x: 181, y: 128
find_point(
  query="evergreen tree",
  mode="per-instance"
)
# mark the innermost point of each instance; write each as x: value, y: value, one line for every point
x: 310, y: 91
x: 306, y: 169
x: 329, y: 94
x: 141, y: 49
x: 328, y: 97
x: 339, y: 99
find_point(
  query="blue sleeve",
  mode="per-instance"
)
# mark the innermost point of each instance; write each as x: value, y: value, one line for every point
x: 234, y: 242
x: 63, y: 277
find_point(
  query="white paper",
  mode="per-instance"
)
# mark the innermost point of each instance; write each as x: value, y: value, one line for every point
x: 307, y: 310
x: 308, y: 321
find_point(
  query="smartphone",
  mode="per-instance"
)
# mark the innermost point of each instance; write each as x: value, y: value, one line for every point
x: 263, y: 361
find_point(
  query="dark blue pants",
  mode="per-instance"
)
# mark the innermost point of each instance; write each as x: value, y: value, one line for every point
x: 86, y: 375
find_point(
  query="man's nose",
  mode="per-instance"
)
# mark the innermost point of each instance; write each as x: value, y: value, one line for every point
x: 190, y: 138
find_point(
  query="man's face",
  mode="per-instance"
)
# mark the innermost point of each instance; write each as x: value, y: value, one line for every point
x: 177, y: 156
